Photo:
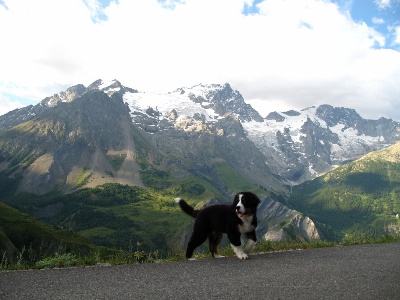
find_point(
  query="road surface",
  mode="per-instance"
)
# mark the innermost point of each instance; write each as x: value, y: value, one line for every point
x: 342, y: 272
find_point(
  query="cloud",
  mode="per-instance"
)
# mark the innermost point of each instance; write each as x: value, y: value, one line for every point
x: 3, y: 4
x: 397, y: 35
x: 284, y: 55
x: 378, y: 21
x: 383, y: 4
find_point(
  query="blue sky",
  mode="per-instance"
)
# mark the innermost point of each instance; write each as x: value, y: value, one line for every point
x: 280, y: 54
x: 383, y: 16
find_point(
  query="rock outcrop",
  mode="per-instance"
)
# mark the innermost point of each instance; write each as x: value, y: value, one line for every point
x: 277, y: 222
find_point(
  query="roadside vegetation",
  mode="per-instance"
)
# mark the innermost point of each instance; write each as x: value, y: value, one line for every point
x: 106, y: 257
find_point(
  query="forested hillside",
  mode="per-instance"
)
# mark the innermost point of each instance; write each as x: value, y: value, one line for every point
x: 112, y: 215
x: 358, y: 200
x: 23, y: 236
x: 119, y: 216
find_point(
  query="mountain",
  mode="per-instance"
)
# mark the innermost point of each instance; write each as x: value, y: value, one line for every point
x: 66, y: 142
x: 66, y: 145
x: 357, y: 200
x: 294, y: 146
x: 86, y: 138
x: 203, y: 142
x: 301, y: 145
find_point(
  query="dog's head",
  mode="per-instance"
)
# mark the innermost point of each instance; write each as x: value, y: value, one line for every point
x: 245, y: 204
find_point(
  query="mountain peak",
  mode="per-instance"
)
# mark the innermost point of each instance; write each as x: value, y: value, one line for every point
x: 110, y: 87
x: 210, y: 100
x: 338, y: 115
x: 68, y: 95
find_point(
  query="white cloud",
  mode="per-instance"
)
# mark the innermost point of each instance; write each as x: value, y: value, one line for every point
x: 292, y: 55
x: 378, y: 21
x: 397, y: 35
x: 382, y: 4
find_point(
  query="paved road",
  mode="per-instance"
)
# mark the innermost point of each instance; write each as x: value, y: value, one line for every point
x: 352, y: 272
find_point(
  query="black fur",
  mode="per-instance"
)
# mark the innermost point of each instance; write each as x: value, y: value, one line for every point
x: 213, y: 221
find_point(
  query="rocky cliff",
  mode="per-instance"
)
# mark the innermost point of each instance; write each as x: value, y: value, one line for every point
x: 277, y: 222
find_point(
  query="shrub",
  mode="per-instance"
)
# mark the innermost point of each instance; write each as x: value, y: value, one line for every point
x: 58, y: 261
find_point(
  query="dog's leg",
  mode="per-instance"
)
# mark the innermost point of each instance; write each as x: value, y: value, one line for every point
x: 214, y: 239
x: 197, y: 238
x: 192, y: 245
x: 189, y: 250
x: 249, y: 246
x: 251, y: 236
x: 236, y: 245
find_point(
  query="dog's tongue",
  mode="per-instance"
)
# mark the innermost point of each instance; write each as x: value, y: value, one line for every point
x: 240, y: 214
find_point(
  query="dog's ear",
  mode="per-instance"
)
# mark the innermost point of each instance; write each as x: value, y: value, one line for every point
x: 255, y: 201
x: 236, y: 199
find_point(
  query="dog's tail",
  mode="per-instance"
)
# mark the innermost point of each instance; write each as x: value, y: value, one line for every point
x: 186, y: 207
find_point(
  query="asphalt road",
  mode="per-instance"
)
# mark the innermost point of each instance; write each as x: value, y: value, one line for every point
x: 351, y: 272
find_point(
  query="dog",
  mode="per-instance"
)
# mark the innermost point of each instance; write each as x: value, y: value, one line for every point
x: 213, y: 221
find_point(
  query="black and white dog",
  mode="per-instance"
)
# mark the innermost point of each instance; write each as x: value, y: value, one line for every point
x: 235, y: 219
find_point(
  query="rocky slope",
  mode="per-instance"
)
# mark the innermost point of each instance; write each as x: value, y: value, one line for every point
x: 280, y: 223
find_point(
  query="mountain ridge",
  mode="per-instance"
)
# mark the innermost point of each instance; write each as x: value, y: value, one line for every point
x: 294, y: 146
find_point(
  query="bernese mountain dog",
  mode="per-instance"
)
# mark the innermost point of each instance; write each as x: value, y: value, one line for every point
x: 215, y: 220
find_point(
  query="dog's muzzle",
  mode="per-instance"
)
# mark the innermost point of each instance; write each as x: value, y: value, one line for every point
x: 240, y: 211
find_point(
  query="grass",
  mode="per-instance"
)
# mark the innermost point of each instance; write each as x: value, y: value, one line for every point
x: 104, y: 256
x: 378, y: 240
x: 116, y: 161
x: 62, y: 259
x: 83, y: 177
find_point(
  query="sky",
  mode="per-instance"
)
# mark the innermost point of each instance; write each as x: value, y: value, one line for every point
x: 279, y: 54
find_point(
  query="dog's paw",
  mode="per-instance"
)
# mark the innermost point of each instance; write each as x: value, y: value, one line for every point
x: 242, y: 256
x: 177, y: 200
x: 218, y: 256
x: 192, y: 259
x: 239, y: 252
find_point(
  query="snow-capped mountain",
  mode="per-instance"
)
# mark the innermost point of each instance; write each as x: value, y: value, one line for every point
x: 297, y: 145
x: 189, y: 109
x: 300, y: 145
x: 294, y: 145
x: 108, y: 87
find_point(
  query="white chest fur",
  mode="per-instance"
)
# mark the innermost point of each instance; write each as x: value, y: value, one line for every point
x: 247, y: 226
